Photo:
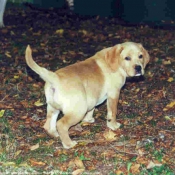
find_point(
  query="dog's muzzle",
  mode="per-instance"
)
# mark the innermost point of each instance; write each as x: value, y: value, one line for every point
x: 138, y: 70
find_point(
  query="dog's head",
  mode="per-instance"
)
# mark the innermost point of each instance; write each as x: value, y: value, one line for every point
x: 129, y: 57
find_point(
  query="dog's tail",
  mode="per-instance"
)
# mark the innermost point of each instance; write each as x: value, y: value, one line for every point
x: 46, y: 75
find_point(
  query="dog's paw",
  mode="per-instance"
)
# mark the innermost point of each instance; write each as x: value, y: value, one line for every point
x: 46, y: 126
x: 113, y: 125
x: 70, y: 145
x: 52, y: 133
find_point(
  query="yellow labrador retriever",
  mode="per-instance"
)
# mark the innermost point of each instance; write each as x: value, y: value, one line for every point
x: 77, y: 89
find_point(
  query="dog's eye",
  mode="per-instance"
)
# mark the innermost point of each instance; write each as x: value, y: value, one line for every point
x: 140, y: 56
x: 127, y: 58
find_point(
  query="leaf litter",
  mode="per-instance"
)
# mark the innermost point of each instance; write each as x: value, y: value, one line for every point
x: 145, y: 142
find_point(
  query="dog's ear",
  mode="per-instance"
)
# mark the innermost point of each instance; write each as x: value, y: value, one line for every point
x: 146, y: 56
x: 112, y: 57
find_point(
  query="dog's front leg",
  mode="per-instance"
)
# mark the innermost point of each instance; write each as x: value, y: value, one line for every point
x: 112, y: 112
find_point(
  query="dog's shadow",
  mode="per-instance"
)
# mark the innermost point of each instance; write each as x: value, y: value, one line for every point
x: 136, y: 79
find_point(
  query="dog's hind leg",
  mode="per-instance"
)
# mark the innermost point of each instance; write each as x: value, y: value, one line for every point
x: 50, y: 125
x: 89, y: 117
x: 68, y: 120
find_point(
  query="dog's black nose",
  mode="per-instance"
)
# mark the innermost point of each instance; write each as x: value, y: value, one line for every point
x: 138, y: 68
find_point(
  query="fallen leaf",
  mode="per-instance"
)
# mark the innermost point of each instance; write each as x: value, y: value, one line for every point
x: 135, y: 168
x: 78, y: 172
x: 17, y: 153
x: 141, y: 152
x: 173, y: 149
x: 59, y: 31
x: 36, y: 85
x: 42, y: 44
x: 40, y: 110
x: 4, y: 31
x: 9, y: 164
x: 38, y: 103
x: 109, y: 135
x: 25, y: 103
x: 16, y: 76
x: 168, y: 106
x: 59, y: 152
x: 24, y: 164
x: 35, y: 163
x: 2, y: 112
x: 118, y: 172
x: 167, y: 118
x: 125, y: 102
x: 34, y: 147
x: 37, y: 33
x: 151, y: 164
x: 156, y: 59
x: 23, y: 117
x: 12, y: 33
x: 77, y: 163
x: 8, y: 54
x: 170, y: 79
x: 166, y: 62
x: 49, y: 143
x: 108, y: 153
x: 83, y: 31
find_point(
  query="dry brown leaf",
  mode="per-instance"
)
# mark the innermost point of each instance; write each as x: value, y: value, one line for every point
x: 118, y: 172
x: 34, y: 147
x: 36, y: 85
x: 83, y: 31
x: 25, y: 103
x: 38, y: 103
x: 168, y: 106
x: 59, y: 31
x: 23, y: 117
x: 135, y: 168
x: 35, y: 163
x: 166, y: 62
x: 173, y: 149
x: 77, y: 163
x: 108, y: 153
x: 17, y: 153
x: 109, y: 135
x: 49, y: 143
x: 170, y: 79
x: 141, y: 152
x: 142, y: 160
x: 78, y: 172
x: 8, y: 54
x: 60, y: 151
x: 151, y: 164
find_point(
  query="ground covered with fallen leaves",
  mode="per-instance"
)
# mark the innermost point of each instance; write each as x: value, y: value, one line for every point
x: 144, y: 144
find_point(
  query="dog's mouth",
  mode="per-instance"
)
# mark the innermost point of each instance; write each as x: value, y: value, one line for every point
x: 138, y: 70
